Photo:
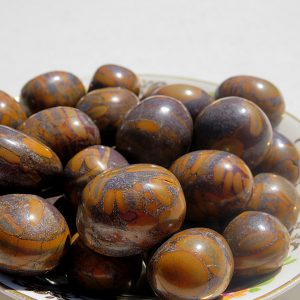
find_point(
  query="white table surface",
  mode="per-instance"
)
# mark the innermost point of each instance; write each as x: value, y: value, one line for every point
x: 205, y: 39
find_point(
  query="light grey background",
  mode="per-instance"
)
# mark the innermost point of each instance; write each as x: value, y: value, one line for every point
x: 208, y: 39
x: 205, y: 39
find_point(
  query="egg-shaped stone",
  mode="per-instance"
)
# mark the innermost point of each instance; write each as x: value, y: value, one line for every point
x: 85, y: 166
x: 34, y: 236
x: 12, y: 113
x: 128, y: 210
x: 277, y: 196
x: 115, y: 76
x: 93, y: 273
x: 217, y: 185
x: 259, y: 243
x: 234, y: 125
x: 193, y: 98
x: 158, y: 130
x: 56, y: 88
x: 66, y: 130
x: 25, y: 161
x: 193, y: 264
x: 107, y: 107
x: 262, y: 92
x: 282, y: 159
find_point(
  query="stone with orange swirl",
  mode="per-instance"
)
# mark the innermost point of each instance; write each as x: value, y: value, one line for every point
x: 282, y: 159
x: 277, y: 196
x: 66, y: 130
x: 25, y: 161
x: 158, y: 130
x: 12, y: 113
x: 216, y: 184
x: 234, y: 125
x: 56, y: 88
x: 259, y: 243
x: 34, y: 236
x: 262, y: 92
x: 85, y: 166
x: 115, y: 76
x: 107, y: 107
x: 193, y: 264
x: 194, y: 98
x: 128, y: 210
x: 93, y: 273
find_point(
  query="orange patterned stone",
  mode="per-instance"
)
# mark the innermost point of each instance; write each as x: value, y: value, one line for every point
x: 128, y: 210
x: 216, y: 184
x: 277, y: 196
x: 282, y: 159
x: 33, y: 235
x: 158, y: 130
x: 193, y: 98
x: 259, y: 243
x: 107, y: 107
x: 56, y: 88
x: 235, y: 125
x: 26, y: 162
x: 115, y: 76
x: 12, y: 113
x: 96, y: 273
x: 85, y: 166
x: 195, y: 264
x: 262, y: 92
x: 66, y: 130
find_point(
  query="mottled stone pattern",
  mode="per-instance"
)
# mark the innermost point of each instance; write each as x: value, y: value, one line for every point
x: 157, y: 131
x: 193, y: 98
x: 56, y: 88
x: 26, y: 162
x: 128, y: 210
x: 262, y: 92
x: 277, y: 196
x: 282, y: 159
x: 33, y: 235
x: 115, y: 76
x: 85, y: 166
x: 66, y: 130
x: 107, y: 107
x: 234, y: 125
x: 259, y: 243
x: 195, y: 264
x: 94, y: 273
x: 216, y: 184
x: 12, y: 113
